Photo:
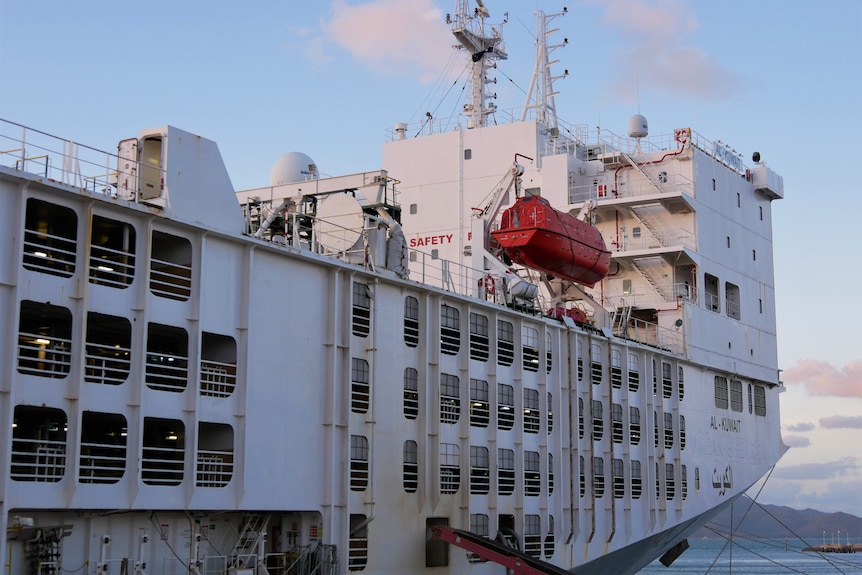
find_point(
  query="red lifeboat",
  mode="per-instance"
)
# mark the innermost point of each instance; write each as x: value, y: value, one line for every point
x: 537, y: 236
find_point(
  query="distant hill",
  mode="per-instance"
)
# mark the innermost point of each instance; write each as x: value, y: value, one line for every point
x: 767, y: 520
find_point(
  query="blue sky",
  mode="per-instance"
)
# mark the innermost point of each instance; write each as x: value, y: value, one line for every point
x: 328, y: 78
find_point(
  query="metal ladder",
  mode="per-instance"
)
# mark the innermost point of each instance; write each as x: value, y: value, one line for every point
x: 247, y: 552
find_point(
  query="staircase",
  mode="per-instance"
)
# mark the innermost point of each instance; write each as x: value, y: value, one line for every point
x: 620, y: 321
x: 643, y: 266
x: 247, y: 553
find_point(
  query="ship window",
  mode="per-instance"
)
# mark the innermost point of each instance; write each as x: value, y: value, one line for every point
x: 550, y: 413
x: 670, y: 481
x: 112, y: 252
x: 598, y: 476
x: 549, y: 539
x: 411, y: 321
x: 218, y: 365
x: 582, y: 477
x: 480, y: 411
x: 163, y: 451
x: 450, y: 468
x: 720, y: 392
x: 759, y: 400
x: 731, y: 293
x: 358, y: 463
x: 505, y: 407
x: 682, y: 432
x: 596, y: 364
x: 107, y: 357
x: 103, y: 448
x: 637, y: 482
x: 750, y: 399
x: 580, y: 362
x: 634, y: 425
x: 531, y: 411
x: 50, y: 238
x: 167, y: 364
x: 38, y: 444
x: 666, y: 381
x: 713, y: 301
x: 580, y: 418
x: 530, y: 348
x: 414, y: 256
x: 479, y: 525
x: 754, y: 255
x: 450, y: 330
x: 634, y: 373
x: 215, y: 455
x: 478, y: 337
x: 550, y: 473
x: 657, y: 482
x: 697, y: 478
x: 532, y: 475
x: 505, y: 343
x: 668, y: 430
x: 654, y: 379
x: 44, y: 340
x: 171, y: 266
x: 411, y: 466
x: 549, y: 357
x: 411, y: 393
x: 636, y: 233
x: 680, y: 383
x: 627, y: 286
x: 505, y: 471
x: 468, y: 154
x: 616, y: 369
x: 361, y: 309
x: 655, y: 428
x: 435, y: 253
x: 617, y: 471
x: 532, y: 535
x: 360, y: 387
x: 357, y: 554
x: 450, y: 398
x: 684, y: 482
x: 617, y: 423
x: 738, y: 200
x: 598, y: 420
x: 479, y: 470
x: 761, y: 213
x: 728, y: 241
x: 414, y: 209
x: 736, y: 395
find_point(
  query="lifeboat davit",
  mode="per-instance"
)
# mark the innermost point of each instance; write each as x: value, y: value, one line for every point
x: 537, y: 236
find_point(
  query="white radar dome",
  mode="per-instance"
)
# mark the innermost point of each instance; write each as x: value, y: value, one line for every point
x: 638, y: 127
x: 293, y: 167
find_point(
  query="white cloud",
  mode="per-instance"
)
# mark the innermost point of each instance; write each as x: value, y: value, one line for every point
x: 796, y: 440
x: 822, y: 378
x: 819, y: 471
x: 798, y: 427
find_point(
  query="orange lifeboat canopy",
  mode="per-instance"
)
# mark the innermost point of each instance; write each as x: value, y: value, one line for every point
x: 535, y: 235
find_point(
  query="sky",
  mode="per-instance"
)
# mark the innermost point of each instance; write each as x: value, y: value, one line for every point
x: 330, y: 77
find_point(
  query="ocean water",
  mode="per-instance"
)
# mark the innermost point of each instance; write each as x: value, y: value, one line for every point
x: 761, y: 557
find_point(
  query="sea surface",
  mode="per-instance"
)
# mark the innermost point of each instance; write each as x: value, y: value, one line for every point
x: 761, y: 557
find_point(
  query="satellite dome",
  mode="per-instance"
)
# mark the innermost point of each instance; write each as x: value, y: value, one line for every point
x: 293, y: 167
x: 638, y: 127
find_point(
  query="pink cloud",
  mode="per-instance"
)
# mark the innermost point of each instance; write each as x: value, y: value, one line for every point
x: 660, y: 53
x: 842, y: 422
x: 394, y: 36
x: 822, y: 378
x: 796, y: 440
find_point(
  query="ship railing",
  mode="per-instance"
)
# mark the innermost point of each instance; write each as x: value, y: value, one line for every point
x: 162, y: 465
x: 112, y: 267
x: 106, y: 364
x: 169, y: 279
x: 42, y: 460
x: 215, y: 468
x: 651, y: 298
x: 675, y: 184
x: 669, y: 238
x: 39, y: 354
x: 64, y: 161
x: 218, y: 379
x: 101, y: 462
x: 166, y: 372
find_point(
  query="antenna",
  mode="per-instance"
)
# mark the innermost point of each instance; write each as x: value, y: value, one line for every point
x: 542, y: 82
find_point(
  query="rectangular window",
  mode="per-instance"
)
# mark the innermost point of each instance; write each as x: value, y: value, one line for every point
x: 411, y: 321
x: 530, y: 348
x: 598, y: 476
x: 617, y: 423
x: 479, y: 470
x: 619, y: 479
x: 479, y: 343
x: 411, y: 393
x: 361, y: 309
x: 532, y: 536
x: 505, y: 471
x: 505, y: 343
x: 532, y: 475
x: 637, y: 482
x: 550, y: 413
x: 50, y: 238
x: 531, y: 411
x: 358, y: 463
x: 682, y: 432
x: 666, y: 381
x: 731, y: 296
x: 450, y: 398
x: 759, y: 400
x: 684, y: 483
x: 357, y: 554
x: 450, y: 330
x: 680, y: 383
x: 580, y: 418
x: 360, y: 388
x: 634, y: 425
x: 720, y: 392
x: 479, y: 403
x: 598, y: 420
x: 39, y: 447
x: 582, y: 476
x: 549, y: 356
x: 634, y: 373
x: 450, y: 468
x: 411, y: 466
x: 711, y: 299
x: 668, y: 430
x: 505, y: 407
x: 596, y: 364
x: 616, y: 369
x: 670, y: 481
x: 736, y: 395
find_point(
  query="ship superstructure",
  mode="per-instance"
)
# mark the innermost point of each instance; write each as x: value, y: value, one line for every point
x: 350, y: 374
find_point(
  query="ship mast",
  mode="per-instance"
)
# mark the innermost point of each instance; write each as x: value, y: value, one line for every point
x: 468, y: 28
x: 540, y: 96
